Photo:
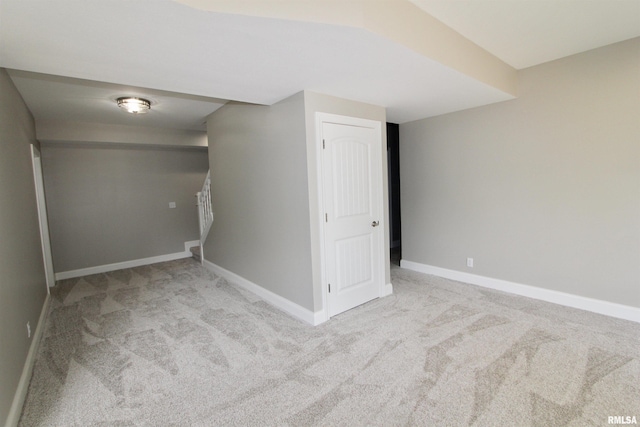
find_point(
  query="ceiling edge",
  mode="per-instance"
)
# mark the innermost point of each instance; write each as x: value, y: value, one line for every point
x: 397, y: 20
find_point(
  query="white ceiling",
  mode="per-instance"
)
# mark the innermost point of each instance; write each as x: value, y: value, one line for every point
x: 524, y: 33
x: 188, y: 61
x: 69, y: 99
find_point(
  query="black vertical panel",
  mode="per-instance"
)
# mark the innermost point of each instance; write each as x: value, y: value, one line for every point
x: 393, y: 159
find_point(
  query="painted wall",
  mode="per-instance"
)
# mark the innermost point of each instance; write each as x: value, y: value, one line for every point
x: 109, y: 203
x: 65, y: 131
x: 22, y: 279
x: 264, y: 170
x: 543, y: 190
x: 260, y: 196
x: 318, y: 103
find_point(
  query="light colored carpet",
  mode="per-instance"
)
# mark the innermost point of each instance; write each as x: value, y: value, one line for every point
x: 174, y: 345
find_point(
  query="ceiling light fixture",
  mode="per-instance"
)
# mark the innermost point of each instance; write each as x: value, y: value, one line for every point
x: 134, y: 105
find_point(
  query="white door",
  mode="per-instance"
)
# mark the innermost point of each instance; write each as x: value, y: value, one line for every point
x: 42, y: 217
x: 353, y: 206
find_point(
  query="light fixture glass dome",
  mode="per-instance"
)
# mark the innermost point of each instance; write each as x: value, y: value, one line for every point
x: 134, y: 105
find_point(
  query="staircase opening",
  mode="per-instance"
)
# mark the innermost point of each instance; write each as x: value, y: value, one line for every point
x: 393, y: 160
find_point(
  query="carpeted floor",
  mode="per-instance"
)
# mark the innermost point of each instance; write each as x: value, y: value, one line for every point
x: 174, y: 345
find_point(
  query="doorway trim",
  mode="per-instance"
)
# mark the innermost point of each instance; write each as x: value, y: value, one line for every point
x: 384, y: 288
x: 42, y: 217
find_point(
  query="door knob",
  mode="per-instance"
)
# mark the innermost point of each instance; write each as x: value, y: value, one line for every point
x: 375, y: 223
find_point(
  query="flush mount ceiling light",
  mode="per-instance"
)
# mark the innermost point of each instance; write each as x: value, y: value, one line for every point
x: 134, y: 105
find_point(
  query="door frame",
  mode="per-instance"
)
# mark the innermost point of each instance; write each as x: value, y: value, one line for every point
x: 42, y: 217
x: 383, y: 288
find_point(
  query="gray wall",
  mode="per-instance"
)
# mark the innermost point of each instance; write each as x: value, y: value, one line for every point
x: 260, y: 198
x: 110, y: 203
x: 264, y: 184
x: 65, y: 131
x: 543, y: 190
x: 22, y: 279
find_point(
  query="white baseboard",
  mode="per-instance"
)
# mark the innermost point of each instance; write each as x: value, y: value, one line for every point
x: 190, y: 244
x: 570, y: 300
x: 23, y: 385
x: 276, y: 300
x: 388, y: 290
x: 128, y: 264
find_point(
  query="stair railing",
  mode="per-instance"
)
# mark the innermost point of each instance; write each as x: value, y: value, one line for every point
x: 205, y: 212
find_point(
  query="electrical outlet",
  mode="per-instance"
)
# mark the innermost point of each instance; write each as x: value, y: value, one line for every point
x: 28, y: 330
x: 172, y: 205
x: 470, y: 262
